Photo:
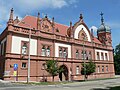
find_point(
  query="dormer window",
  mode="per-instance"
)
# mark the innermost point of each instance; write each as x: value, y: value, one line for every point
x: 57, y: 30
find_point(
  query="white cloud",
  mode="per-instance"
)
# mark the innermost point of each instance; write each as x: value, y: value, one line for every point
x: 94, y: 28
x: 23, y: 7
x: 28, y: 6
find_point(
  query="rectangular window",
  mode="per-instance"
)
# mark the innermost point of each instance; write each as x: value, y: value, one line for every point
x: 90, y: 55
x: 102, y: 68
x: 106, y: 68
x: 98, y: 57
x: 77, y: 54
x: 82, y: 54
x: 98, y: 69
x: 102, y: 56
x: 106, y: 57
x: 85, y: 55
x: 77, y: 70
x: 43, y: 53
x: 60, y: 52
x: 23, y: 65
x: 24, y: 48
x: 48, y: 51
x: 64, y: 53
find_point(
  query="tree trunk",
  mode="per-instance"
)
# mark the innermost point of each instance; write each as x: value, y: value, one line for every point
x: 53, y: 78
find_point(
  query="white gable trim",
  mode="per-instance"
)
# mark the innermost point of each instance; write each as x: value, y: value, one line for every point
x: 78, y: 29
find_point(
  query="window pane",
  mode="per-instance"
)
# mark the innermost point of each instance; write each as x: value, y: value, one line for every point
x: 98, y: 69
x: 64, y: 53
x: 43, y: 51
x: 23, y: 65
x: 77, y: 70
x: 77, y: 54
x: 106, y: 58
x: 48, y: 52
x: 98, y: 57
x: 102, y: 68
x: 24, y: 48
x: 102, y: 56
x: 60, y: 52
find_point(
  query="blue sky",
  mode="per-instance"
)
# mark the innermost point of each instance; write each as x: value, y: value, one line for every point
x: 65, y: 11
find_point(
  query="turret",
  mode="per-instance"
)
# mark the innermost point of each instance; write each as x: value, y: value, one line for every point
x: 11, y: 21
x: 104, y: 33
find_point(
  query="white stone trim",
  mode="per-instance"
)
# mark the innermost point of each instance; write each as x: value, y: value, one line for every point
x: 78, y: 29
x: 101, y: 51
x: 57, y: 45
x: 16, y: 45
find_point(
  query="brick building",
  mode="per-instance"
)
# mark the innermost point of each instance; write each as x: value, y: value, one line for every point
x: 70, y: 45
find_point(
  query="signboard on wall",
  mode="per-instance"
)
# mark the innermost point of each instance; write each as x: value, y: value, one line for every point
x: 15, y: 67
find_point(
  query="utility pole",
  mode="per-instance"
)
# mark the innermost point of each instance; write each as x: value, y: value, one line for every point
x: 28, y: 77
x: 28, y: 71
x: 84, y: 59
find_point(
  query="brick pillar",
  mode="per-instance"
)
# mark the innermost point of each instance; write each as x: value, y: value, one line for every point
x: 9, y: 43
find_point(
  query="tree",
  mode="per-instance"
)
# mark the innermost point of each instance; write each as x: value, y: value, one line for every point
x: 53, y: 68
x: 88, y: 68
x: 117, y: 59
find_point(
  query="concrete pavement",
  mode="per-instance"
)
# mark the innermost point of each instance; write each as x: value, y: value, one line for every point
x: 88, y: 85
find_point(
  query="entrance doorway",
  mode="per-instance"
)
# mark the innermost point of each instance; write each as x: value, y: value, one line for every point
x: 63, y: 76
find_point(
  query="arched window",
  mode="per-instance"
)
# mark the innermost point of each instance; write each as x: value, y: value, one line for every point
x: 64, y: 53
x: 82, y: 54
x: 77, y: 70
x: 85, y: 55
x: 43, y: 51
x: 24, y: 48
x: 90, y: 55
x: 77, y: 54
x: 60, y: 52
x: 48, y: 51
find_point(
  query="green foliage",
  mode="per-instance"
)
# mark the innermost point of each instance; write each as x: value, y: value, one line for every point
x: 117, y: 59
x: 88, y: 68
x: 53, y: 68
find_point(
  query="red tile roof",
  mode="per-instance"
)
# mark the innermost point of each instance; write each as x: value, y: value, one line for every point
x: 31, y: 22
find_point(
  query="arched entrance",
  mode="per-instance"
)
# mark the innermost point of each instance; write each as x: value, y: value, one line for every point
x: 63, y: 76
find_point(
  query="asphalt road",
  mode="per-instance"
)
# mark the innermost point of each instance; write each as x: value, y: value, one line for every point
x: 88, y: 85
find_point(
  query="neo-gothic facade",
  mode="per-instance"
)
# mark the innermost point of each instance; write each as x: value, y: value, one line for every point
x: 69, y: 45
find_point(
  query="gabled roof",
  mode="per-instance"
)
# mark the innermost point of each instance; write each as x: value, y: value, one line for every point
x: 31, y: 22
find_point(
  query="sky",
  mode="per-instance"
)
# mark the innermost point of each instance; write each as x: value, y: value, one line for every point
x: 65, y: 11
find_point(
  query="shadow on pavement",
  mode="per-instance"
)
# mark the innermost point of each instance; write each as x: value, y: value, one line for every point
x: 99, y: 89
x: 109, y: 88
